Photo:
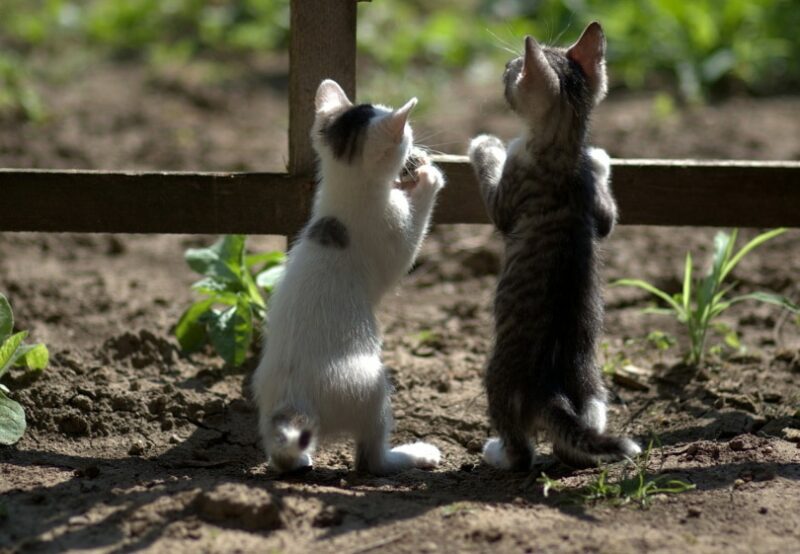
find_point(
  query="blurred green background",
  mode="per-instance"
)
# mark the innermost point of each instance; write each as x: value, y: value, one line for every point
x: 694, y: 50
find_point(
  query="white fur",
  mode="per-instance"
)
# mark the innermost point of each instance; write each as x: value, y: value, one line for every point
x: 594, y: 414
x: 494, y: 454
x: 322, y: 356
x: 601, y: 163
x: 631, y: 448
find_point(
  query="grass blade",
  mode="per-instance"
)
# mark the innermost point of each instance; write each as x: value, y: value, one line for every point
x: 768, y: 298
x: 644, y: 285
x: 687, y: 282
x: 757, y: 241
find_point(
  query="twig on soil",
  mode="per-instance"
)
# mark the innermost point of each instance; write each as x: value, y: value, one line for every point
x: 638, y: 412
x: 378, y: 544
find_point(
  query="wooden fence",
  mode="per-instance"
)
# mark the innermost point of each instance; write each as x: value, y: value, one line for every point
x: 323, y: 45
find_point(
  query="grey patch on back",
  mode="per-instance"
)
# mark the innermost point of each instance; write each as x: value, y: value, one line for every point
x: 329, y: 232
x: 346, y: 134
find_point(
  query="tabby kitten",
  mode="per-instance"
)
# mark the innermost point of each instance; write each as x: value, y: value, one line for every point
x: 321, y: 373
x: 548, y: 194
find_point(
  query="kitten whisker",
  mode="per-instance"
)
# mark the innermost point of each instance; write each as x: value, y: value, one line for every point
x: 503, y: 44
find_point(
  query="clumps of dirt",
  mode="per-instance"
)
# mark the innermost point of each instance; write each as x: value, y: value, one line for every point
x: 237, y: 505
x: 141, y: 349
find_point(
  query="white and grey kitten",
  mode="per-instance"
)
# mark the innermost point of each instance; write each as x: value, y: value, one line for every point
x: 321, y: 373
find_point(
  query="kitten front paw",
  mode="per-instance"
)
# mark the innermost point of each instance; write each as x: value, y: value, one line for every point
x: 494, y: 454
x: 485, y: 145
x: 421, y: 454
x: 429, y: 177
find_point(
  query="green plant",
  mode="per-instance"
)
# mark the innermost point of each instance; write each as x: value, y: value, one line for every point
x: 638, y: 486
x: 702, y: 300
x: 233, y: 303
x: 14, y: 352
x: 18, y: 97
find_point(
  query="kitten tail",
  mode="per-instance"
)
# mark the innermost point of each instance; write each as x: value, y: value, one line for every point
x: 578, y: 444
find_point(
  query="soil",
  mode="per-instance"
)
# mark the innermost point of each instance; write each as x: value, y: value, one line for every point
x: 133, y: 446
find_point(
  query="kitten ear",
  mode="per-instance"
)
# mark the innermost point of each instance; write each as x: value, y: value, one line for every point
x: 395, y: 123
x: 330, y: 97
x: 535, y: 67
x: 589, y: 53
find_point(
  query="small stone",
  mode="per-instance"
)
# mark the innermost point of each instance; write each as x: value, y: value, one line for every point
x: 174, y: 439
x: 694, y: 511
x: 428, y: 546
x: 763, y: 510
x: 738, y: 483
x: 136, y: 448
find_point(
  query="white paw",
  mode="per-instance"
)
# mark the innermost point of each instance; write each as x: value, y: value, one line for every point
x: 495, y: 455
x: 421, y: 454
x: 429, y: 176
x: 631, y: 448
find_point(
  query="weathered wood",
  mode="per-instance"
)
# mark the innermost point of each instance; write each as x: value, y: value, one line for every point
x: 665, y: 192
x: 323, y: 46
x: 649, y: 192
x: 116, y: 202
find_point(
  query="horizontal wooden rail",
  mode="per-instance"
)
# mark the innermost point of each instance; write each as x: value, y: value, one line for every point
x: 649, y: 192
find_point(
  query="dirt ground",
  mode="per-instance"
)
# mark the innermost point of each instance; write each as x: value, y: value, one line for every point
x: 132, y: 446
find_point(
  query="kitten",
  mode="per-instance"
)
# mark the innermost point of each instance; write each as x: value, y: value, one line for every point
x: 321, y: 373
x: 548, y: 194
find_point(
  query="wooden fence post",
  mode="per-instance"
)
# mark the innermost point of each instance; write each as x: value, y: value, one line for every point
x: 323, y: 45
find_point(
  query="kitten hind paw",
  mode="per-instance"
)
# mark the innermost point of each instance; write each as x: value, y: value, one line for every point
x: 631, y: 448
x: 495, y: 455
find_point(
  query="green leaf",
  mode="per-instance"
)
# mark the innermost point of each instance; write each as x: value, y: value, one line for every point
x: 644, y: 285
x: 6, y: 318
x: 223, y: 260
x: 191, y: 329
x: 757, y: 241
x: 9, y: 351
x: 214, y: 286
x: 231, y: 332
x: 768, y: 298
x: 687, y: 282
x: 12, y: 420
x: 270, y: 278
x: 269, y: 259
x: 33, y: 356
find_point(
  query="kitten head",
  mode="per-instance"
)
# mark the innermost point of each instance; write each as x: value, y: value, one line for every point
x: 369, y: 140
x: 548, y: 82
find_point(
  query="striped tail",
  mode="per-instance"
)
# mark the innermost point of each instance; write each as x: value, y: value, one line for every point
x: 579, y: 445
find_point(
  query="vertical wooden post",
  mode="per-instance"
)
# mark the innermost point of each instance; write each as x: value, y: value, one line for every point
x: 323, y: 45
